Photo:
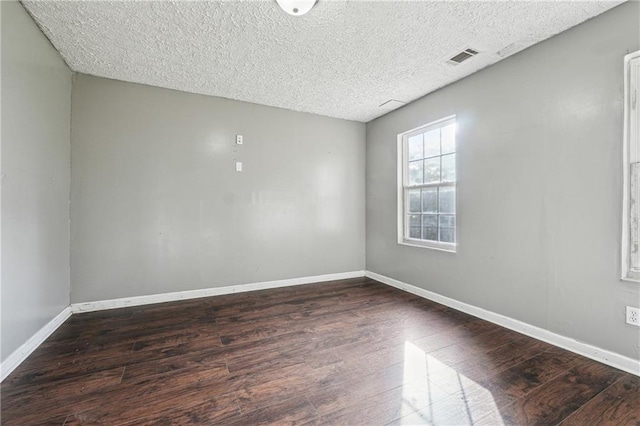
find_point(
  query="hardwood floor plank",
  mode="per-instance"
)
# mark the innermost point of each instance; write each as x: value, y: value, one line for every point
x: 294, y: 411
x: 342, y: 407
x: 522, y: 378
x: 202, y: 360
x: 193, y: 407
x: 454, y: 410
x: 487, y: 364
x: 619, y: 404
x: 557, y: 399
x: 208, y: 339
x: 297, y: 381
x: 216, y: 410
x: 463, y: 376
x: 62, y: 388
x: 159, y: 394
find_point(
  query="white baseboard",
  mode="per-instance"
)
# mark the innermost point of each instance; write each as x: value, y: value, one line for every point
x: 207, y: 292
x: 20, y: 354
x: 613, y: 359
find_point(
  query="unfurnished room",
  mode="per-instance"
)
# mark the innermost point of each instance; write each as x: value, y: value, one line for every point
x: 327, y: 212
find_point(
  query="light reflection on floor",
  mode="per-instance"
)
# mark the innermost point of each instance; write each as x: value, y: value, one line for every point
x: 436, y: 394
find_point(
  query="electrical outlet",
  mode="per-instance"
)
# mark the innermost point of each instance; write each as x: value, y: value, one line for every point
x: 239, y: 140
x: 633, y: 316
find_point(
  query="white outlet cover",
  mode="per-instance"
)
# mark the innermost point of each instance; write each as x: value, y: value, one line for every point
x: 239, y: 139
x: 238, y: 166
x: 633, y: 316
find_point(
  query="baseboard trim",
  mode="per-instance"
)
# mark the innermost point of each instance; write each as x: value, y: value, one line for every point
x: 207, y: 292
x: 20, y: 354
x: 613, y: 359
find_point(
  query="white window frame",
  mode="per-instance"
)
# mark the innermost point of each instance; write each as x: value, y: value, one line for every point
x: 631, y: 170
x: 402, y: 187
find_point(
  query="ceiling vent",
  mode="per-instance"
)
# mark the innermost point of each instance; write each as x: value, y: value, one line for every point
x: 462, y: 56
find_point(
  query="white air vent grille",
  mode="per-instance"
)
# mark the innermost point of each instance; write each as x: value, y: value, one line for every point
x: 462, y: 56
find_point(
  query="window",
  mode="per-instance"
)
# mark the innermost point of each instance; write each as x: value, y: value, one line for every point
x: 427, y: 186
x: 631, y: 167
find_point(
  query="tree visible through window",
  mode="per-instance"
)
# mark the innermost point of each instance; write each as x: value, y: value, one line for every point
x: 427, y: 205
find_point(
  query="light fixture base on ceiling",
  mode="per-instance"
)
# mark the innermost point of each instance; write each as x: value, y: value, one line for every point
x: 296, y: 7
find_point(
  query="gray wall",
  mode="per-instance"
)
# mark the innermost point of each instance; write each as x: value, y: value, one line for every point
x: 36, y: 97
x: 539, y: 191
x: 158, y: 207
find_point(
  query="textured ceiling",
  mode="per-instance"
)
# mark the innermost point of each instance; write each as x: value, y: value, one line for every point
x: 342, y: 59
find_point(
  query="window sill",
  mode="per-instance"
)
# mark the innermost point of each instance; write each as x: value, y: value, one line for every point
x: 449, y: 248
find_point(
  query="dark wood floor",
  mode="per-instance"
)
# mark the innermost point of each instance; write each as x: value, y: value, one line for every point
x: 346, y: 352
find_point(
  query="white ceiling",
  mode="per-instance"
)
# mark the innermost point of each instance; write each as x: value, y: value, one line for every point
x: 342, y: 59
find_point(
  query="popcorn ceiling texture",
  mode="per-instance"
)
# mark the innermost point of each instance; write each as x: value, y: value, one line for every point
x: 342, y: 59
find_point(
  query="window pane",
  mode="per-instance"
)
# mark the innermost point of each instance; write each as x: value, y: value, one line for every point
x: 432, y: 170
x: 432, y: 143
x: 414, y: 232
x: 415, y: 147
x: 447, y: 221
x: 447, y: 200
x: 430, y: 221
x: 430, y: 234
x: 414, y: 200
x: 415, y: 172
x: 449, y: 168
x: 449, y: 139
x: 448, y: 235
x: 430, y: 200
x: 414, y: 220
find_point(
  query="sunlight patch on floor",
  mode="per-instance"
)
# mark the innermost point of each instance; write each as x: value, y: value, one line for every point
x: 436, y: 394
